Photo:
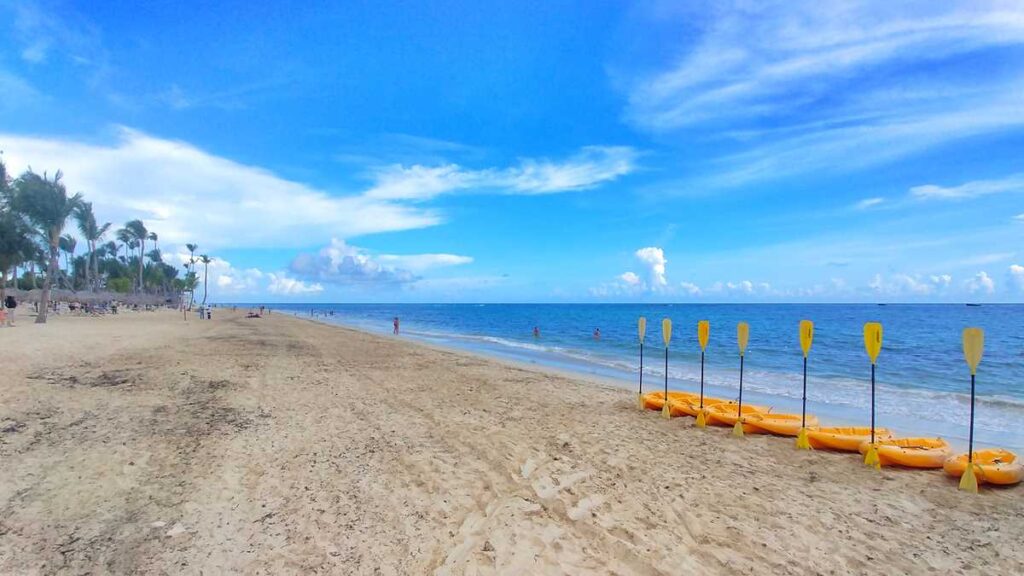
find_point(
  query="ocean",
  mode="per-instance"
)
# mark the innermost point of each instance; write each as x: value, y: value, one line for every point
x: 923, y: 382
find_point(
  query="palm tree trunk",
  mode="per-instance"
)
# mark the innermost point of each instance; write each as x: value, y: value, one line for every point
x: 142, y: 252
x: 44, y: 300
x: 206, y: 275
x: 3, y: 286
x: 15, y: 276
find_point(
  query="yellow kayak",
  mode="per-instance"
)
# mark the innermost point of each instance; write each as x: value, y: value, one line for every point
x: 725, y: 414
x: 844, y: 439
x: 995, y: 466
x: 691, y: 406
x: 910, y: 452
x: 656, y: 401
x: 779, y: 424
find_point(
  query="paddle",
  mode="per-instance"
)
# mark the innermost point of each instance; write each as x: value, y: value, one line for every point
x: 742, y: 336
x: 873, y: 345
x: 703, y: 331
x: 666, y: 335
x: 806, y: 338
x: 642, y: 329
x: 974, y: 345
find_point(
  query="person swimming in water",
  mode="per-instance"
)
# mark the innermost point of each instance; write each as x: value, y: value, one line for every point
x: 597, y: 333
x: 536, y: 332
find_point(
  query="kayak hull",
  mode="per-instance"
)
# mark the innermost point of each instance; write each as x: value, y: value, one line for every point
x: 843, y: 439
x: 725, y: 415
x: 691, y: 406
x: 656, y: 401
x: 994, y: 466
x: 780, y: 424
x: 911, y: 452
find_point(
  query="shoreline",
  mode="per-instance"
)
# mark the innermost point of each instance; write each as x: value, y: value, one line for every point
x: 141, y: 443
x: 828, y: 414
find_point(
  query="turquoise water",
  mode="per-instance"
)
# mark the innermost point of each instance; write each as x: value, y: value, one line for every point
x: 923, y: 382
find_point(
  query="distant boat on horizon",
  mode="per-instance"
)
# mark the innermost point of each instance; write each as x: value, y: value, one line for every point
x: 969, y: 304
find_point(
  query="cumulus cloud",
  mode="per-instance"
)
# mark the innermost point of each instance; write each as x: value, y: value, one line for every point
x: 654, y: 258
x: 910, y: 285
x: 690, y: 289
x: 630, y: 278
x: 1015, y: 277
x: 975, y: 188
x: 343, y: 263
x: 980, y: 283
x: 282, y: 285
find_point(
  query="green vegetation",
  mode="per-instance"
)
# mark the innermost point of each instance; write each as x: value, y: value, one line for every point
x: 36, y: 211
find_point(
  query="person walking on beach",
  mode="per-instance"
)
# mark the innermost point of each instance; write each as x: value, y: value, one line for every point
x: 395, y: 324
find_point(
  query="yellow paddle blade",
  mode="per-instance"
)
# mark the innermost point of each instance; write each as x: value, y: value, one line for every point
x: 666, y: 412
x: 640, y: 401
x: 969, y: 482
x: 873, y: 340
x: 703, y: 331
x: 871, y: 458
x: 802, y: 442
x: 974, y: 345
x: 702, y: 420
x: 666, y: 331
x: 742, y: 336
x: 806, y: 336
x: 737, y: 429
x: 642, y: 328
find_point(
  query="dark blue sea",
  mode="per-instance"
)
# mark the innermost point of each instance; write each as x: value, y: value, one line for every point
x: 923, y: 381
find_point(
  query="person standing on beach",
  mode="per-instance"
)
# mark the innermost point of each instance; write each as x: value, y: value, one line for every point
x: 10, y: 304
x: 395, y: 324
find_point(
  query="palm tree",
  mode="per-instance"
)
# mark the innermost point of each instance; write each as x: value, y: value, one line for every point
x: 190, y: 269
x: 124, y: 236
x: 206, y: 267
x: 15, y: 245
x: 92, y: 233
x: 139, y: 233
x: 67, y: 246
x: 152, y: 236
x: 47, y: 206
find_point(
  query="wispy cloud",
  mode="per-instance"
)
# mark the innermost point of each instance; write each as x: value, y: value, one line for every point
x: 868, y: 203
x: 592, y: 166
x: 841, y: 85
x: 973, y: 189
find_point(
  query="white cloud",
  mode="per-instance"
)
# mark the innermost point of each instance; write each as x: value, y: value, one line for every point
x: 743, y: 287
x: 839, y: 83
x: 654, y: 258
x: 980, y: 283
x: 282, y: 285
x: 190, y: 195
x: 1015, y: 277
x: 594, y: 165
x: 630, y: 278
x: 1014, y: 183
x: 1019, y: 217
x: 868, y: 203
x: 690, y: 289
x: 899, y: 285
x: 343, y: 263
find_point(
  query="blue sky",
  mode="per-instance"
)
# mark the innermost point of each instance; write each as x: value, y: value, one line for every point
x: 539, y: 151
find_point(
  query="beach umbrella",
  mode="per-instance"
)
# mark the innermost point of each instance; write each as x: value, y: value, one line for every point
x: 666, y: 335
x: 742, y: 336
x: 703, y: 332
x: 873, y: 345
x: 806, y: 338
x: 974, y: 345
x: 642, y: 329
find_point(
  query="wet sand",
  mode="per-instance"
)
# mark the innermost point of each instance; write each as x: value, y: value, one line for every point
x: 139, y: 443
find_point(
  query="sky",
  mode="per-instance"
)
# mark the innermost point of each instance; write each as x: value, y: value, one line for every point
x: 682, y: 151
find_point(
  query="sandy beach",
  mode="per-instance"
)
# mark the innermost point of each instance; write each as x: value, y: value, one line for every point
x: 140, y: 443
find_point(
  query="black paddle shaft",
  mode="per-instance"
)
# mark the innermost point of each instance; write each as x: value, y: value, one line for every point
x: 739, y: 407
x: 803, y: 409
x: 872, y: 403
x: 970, y: 437
x: 641, y: 368
x: 702, y: 379
x: 666, y: 374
